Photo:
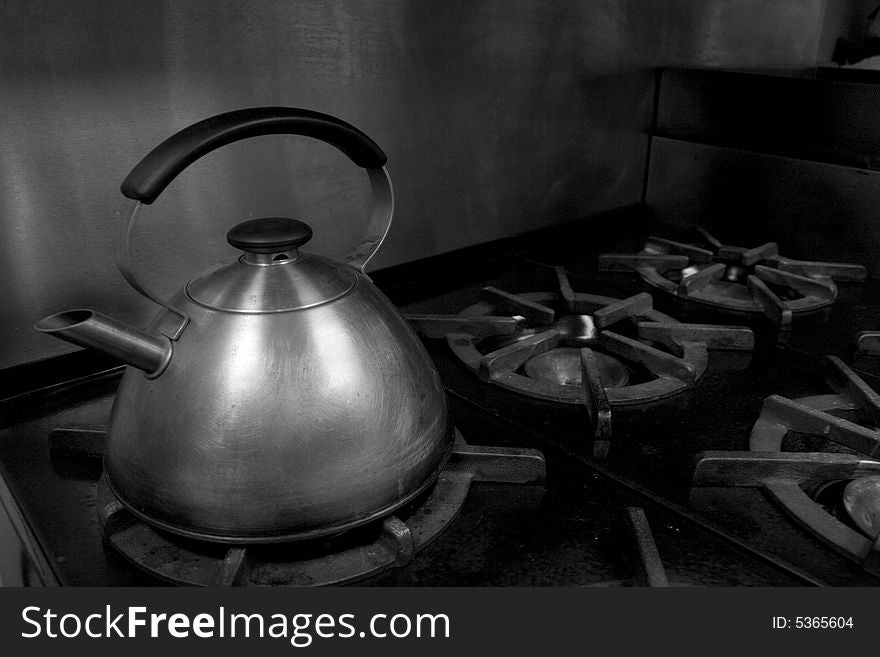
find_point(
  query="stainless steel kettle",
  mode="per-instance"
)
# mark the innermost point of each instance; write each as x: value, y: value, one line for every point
x: 279, y: 395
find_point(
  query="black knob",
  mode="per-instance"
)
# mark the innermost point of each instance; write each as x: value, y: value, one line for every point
x: 269, y: 235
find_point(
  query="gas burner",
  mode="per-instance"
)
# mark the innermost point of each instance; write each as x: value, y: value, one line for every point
x: 756, y: 281
x: 539, y: 344
x: 830, y: 489
x: 534, y: 344
x: 345, y: 558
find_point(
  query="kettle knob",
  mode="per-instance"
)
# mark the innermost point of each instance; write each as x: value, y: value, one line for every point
x: 269, y: 235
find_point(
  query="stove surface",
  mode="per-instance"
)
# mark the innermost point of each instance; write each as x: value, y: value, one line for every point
x: 570, y: 531
x: 655, y: 446
x: 623, y: 520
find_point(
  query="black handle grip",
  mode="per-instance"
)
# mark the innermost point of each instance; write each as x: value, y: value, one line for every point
x: 162, y: 165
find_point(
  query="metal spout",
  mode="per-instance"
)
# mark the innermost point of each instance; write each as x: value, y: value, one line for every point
x: 90, y: 329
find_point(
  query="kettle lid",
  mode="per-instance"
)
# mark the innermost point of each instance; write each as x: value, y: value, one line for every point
x: 272, y: 275
x: 269, y: 235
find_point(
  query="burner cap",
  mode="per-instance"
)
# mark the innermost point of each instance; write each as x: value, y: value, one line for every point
x: 563, y: 367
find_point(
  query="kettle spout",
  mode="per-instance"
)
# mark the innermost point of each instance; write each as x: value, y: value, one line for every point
x: 87, y: 328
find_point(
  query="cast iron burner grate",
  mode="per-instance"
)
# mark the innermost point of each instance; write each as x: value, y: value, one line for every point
x: 755, y: 281
x: 845, y: 451
x: 349, y: 557
x: 539, y: 344
x: 647, y: 566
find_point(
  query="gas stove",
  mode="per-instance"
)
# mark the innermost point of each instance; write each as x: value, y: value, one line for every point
x: 598, y: 424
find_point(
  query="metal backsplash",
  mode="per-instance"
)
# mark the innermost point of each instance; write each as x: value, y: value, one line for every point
x: 814, y: 210
x: 756, y: 158
x: 498, y: 117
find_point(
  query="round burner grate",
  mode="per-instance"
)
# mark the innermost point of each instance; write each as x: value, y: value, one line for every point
x: 801, y: 481
x: 754, y: 281
x: 533, y: 344
x: 346, y: 558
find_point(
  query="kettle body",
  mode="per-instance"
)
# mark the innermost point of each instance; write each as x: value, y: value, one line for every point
x: 280, y: 425
x: 279, y: 396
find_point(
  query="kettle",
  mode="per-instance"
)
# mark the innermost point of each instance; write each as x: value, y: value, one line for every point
x: 279, y: 396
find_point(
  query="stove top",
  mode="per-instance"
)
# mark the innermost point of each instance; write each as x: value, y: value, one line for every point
x: 612, y: 477
x: 572, y: 529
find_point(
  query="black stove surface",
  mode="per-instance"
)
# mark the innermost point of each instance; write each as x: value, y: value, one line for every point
x: 654, y: 446
x: 574, y: 529
x: 571, y: 531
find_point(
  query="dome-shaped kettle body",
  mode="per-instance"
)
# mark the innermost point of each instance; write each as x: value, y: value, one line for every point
x: 281, y: 425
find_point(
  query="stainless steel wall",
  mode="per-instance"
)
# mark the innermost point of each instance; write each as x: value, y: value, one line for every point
x: 498, y: 116
x: 814, y: 210
x: 757, y: 158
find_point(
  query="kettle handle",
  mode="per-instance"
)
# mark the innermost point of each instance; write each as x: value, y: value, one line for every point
x: 165, y: 162
x: 162, y: 165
